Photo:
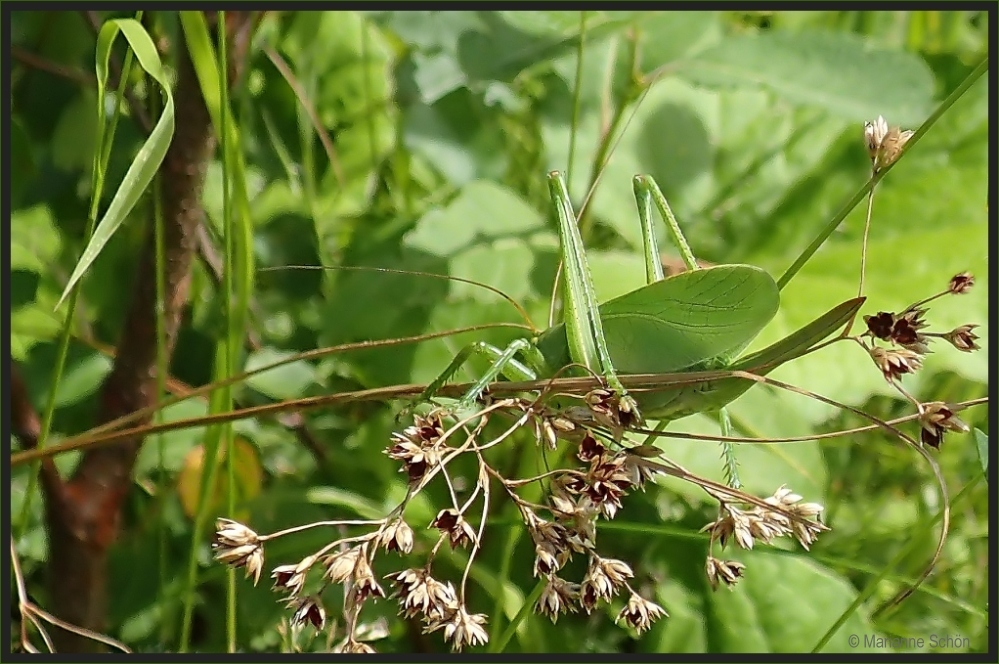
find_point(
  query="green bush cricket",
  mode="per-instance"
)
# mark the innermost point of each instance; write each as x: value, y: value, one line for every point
x: 700, y: 319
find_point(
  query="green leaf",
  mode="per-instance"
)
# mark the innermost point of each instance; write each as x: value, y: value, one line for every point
x: 901, y: 271
x: 456, y: 49
x: 669, y: 36
x: 81, y: 379
x: 22, y: 162
x: 843, y: 73
x: 548, y: 22
x: 76, y: 134
x: 34, y: 240
x: 432, y: 30
x: 35, y: 245
x: 482, y: 210
x: 288, y: 381
x: 460, y: 150
x: 669, y: 137
x: 500, y: 51
x: 32, y: 324
x: 143, y: 168
x: 982, y: 442
x: 685, y: 631
x: 344, y: 61
x: 783, y: 604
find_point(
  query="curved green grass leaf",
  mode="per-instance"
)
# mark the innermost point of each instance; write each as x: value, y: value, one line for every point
x: 150, y: 155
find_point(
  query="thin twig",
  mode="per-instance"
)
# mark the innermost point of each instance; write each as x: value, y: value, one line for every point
x: 34, y: 61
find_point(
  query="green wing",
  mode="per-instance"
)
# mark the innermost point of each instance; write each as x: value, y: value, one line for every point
x: 689, y: 320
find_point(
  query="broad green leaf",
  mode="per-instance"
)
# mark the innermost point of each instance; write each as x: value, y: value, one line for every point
x: 784, y: 603
x: 615, y: 272
x: 500, y: 52
x: 81, y: 379
x: 344, y: 60
x: 76, y: 134
x: 35, y: 245
x: 842, y: 73
x: 32, y: 324
x: 456, y: 49
x: 34, y: 240
x: 668, y: 36
x: 153, y: 150
x: 549, y: 22
x: 436, y: 75
x: 287, y: 381
x: 460, y: 150
x: 482, y: 210
x: 685, y: 631
x: 669, y: 137
x: 902, y: 271
x: 432, y: 30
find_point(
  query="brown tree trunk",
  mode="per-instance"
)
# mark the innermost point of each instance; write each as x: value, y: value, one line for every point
x: 83, y: 513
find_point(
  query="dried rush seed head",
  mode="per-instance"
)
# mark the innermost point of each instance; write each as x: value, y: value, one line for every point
x: 961, y: 283
x: 895, y: 362
x: 453, y: 524
x: 884, y: 144
x: 963, y: 338
x: 396, y: 536
x: 640, y: 613
x: 935, y: 419
x: 309, y: 610
x: 419, y: 593
x: 559, y: 596
x: 461, y: 629
x: 238, y: 546
x: 727, y: 571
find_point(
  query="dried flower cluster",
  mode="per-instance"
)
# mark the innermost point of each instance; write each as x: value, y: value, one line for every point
x: 756, y: 522
x: 907, y: 342
x: 576, y: 501
x: 782, y: 514
x: 419, y: 446
x: 564, y: 526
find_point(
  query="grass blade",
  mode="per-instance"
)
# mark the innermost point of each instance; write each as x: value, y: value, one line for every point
x: 150, y: 156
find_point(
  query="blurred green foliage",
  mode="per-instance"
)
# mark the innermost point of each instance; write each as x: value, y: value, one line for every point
x: 442, y: 127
